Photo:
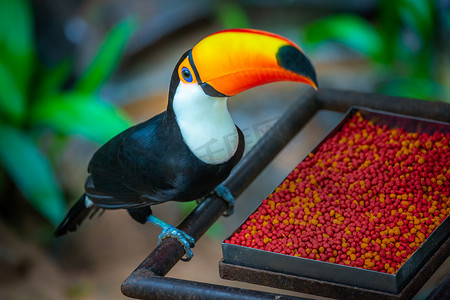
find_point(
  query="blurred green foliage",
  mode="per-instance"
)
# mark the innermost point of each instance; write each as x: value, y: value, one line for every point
x: 402, y: 44
x: 34, y: 101
x: 231, y: 14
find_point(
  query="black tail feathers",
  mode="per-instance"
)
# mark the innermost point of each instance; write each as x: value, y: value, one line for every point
x: 75, y: 216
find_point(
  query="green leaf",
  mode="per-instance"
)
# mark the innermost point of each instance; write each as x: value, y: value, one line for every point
x: 418, y: 15
x: 418, y: 50
x: 51, y: 81
x: 78, y: 114
x: 12, y: 103
x: 16, y: 40
x: 350, y: 30
x: 32, y: 173
x: 389, y: 27
x: 231, y: 15
x: 419, y: 88
x: 105, y: 62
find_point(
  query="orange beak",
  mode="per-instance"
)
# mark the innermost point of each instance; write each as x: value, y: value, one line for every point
x: 231, y: 61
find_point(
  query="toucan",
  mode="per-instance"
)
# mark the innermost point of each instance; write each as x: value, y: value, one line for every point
x: 186, y: 152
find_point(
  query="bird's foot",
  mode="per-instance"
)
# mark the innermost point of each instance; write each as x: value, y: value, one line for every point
x: 186, y: 240
x: 169, y: 231
x: 224, y: 193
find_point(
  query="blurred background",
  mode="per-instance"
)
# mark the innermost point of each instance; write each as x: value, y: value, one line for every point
x: 74, y: 73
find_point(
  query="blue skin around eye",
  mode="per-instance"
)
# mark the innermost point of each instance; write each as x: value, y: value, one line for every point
x: 184, y: 73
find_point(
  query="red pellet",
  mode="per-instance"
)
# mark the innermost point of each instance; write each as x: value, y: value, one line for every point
x: 368, y: 198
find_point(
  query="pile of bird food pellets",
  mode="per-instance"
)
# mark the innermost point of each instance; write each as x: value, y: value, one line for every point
x: 368, y: 198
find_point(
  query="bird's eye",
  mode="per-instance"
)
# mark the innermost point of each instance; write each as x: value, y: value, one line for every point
x: 186, y: 74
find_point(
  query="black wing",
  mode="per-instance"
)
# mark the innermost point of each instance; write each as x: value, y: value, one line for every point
x: 108, y: 184
x: 149, y: 164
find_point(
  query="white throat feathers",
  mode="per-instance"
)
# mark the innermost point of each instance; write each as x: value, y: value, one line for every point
x: 205, y: 124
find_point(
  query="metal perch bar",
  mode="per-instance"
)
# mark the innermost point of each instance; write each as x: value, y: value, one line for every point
x: 148, y: 281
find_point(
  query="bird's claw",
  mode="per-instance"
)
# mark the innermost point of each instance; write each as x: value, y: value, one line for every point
x: 224, y: 193
x: 186, y: 240
x: 168, y: 231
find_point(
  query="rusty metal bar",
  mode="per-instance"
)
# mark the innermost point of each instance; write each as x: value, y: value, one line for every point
x: 442, y: 291
x: 147, y: 281
x: 143, y: 285
x: 341, y: 101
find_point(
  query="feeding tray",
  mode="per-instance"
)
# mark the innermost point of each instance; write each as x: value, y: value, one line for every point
x: 341, y: 274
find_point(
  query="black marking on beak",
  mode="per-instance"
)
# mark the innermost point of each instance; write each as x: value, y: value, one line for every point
x: 191, y: 61
x: 292, y: 59
x: 210, y: 91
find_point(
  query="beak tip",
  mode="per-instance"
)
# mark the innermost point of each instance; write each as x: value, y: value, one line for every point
x: 293, y: 59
